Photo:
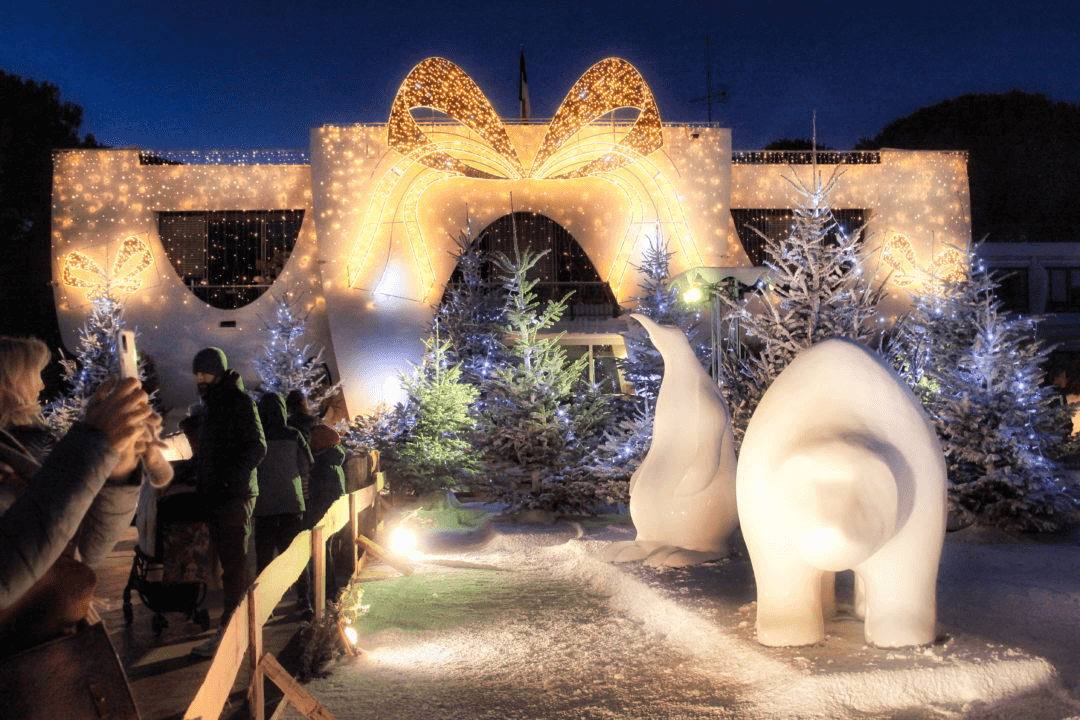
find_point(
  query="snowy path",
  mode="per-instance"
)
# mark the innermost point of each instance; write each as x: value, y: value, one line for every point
x: 538, y: 628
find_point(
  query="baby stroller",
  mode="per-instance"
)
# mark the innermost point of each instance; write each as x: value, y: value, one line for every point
x: 173, y: 560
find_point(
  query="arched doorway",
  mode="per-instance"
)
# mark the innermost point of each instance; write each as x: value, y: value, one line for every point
x: 565, y: 268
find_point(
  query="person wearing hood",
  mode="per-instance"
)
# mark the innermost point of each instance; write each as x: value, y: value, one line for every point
x: 230, y: 447
x: 283, y: 477
x: 327, y: 485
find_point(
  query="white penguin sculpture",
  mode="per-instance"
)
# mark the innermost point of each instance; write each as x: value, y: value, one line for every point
x: 840, y: 469
x: 682, y: 496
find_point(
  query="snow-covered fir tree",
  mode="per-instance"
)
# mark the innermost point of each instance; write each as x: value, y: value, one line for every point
x: 980, y: 375
x: 659, y: 301
x: 286, y: 363
x: 472, y: 314
x: 438, y: 450
x: 628, y: 428
x: 542, y: 417
x: 814, y: 289
x: 95, y: 361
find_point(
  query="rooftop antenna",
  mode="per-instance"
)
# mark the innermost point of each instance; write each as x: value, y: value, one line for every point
x: 721, y: 94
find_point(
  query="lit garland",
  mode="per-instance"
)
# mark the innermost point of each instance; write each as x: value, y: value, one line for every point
x: 79, y: 270
x: 571, y: 149
x: 949, y: 265
x: 441, y: 85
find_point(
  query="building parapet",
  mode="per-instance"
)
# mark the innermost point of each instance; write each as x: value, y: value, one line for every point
x: 224, y: 157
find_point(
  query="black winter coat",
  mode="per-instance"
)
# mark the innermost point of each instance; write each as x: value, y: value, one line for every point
x: 231, y: 442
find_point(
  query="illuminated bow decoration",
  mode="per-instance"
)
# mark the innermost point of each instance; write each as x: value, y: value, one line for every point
x: 79, y: 270
x: 567, y: 151
x: 441, y: 85
x: 949, y: 265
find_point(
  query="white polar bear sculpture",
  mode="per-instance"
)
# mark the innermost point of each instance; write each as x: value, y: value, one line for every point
x: 682, y: 496
x: 841, y: 469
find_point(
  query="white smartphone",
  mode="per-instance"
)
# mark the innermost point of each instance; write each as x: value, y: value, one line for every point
x: 125, y: 352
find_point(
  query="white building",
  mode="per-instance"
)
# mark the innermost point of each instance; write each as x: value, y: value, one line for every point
x: 361, y: 228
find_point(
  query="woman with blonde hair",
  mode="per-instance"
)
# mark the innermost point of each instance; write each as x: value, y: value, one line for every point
x: 21, y: 363
x: 63, y: 503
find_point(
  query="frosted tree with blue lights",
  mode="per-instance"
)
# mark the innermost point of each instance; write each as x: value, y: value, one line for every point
x: 471, y: 315
x: 661, y: 302
x: 980, y: 375
x: 814, y: 289
x: 95, y: 361
x: 288, y: 364
x: 628, y: 430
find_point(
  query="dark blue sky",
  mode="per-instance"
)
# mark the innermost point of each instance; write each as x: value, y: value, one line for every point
x: 225, y: 74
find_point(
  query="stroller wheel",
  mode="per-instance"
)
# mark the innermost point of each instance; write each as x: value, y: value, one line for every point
x: 129, y: 613
x: 202, y: 618
x: 158, y: 623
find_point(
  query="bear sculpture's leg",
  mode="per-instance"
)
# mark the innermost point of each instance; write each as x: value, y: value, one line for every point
x: 789, y: 594
x: 900, y: 606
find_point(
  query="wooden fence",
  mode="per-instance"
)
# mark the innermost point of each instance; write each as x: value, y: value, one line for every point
x: 357, y: 511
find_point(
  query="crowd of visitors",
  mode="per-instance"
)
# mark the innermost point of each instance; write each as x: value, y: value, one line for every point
x: 269, y: 469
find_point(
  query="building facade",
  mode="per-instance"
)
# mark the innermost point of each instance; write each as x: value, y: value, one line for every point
x: 360, y: 230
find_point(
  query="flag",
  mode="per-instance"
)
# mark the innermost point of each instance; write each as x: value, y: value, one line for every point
x: 523, y: 89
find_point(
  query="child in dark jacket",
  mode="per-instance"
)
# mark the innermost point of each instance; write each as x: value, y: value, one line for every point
x: 327, y: 472
x: 327, y: 485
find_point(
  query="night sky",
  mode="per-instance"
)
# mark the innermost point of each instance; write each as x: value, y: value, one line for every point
x: 223, y: 74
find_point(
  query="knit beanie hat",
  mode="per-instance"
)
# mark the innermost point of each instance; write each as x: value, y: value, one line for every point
x: 211, y: 361
x: 323, y: 437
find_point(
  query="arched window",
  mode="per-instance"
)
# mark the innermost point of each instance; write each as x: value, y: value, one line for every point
x: 565, y: 268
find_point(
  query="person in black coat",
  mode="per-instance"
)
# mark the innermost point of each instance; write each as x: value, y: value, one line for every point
x: 230, y: 447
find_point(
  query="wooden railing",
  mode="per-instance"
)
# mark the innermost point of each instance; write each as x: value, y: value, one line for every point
x: 245, y: 629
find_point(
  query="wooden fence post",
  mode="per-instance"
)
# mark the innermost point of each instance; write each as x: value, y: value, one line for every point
x: 354, y: 532
x: 318, y: 566
x: 257, y: 698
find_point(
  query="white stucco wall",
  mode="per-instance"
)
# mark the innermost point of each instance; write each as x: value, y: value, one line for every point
x: 920, y: 194
x: 101, y: 197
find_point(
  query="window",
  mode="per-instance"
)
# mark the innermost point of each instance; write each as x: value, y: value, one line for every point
x: 602, y: 368
x: 1012, y: 289
x: 229, y: 258
x: 1064, y: 290
x: 777, y: 223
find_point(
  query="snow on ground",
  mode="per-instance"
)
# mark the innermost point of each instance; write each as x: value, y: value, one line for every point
x: 531, y: 624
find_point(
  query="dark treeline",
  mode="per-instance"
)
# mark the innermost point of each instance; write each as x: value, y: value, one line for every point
x: 1024, y: 162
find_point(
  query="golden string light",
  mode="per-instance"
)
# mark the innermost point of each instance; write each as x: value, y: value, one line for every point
x: 79, y: 270
x: 606, y: 86
x: 898, y: 252
x: 572, y: 148
x: 441, y: 85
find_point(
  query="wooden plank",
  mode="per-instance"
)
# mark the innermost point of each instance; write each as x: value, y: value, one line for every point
x: 354, y: 530
x: 300, y: 698
x: 75, y: 676
x: 318, y: 563
x: 378, y: 551
x: 271, y: 585
x: 212, y: 695
x: 256, y: 696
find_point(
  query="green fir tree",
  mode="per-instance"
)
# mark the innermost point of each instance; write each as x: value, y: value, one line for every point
x: 438, y: 453
x: 541, y: 416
